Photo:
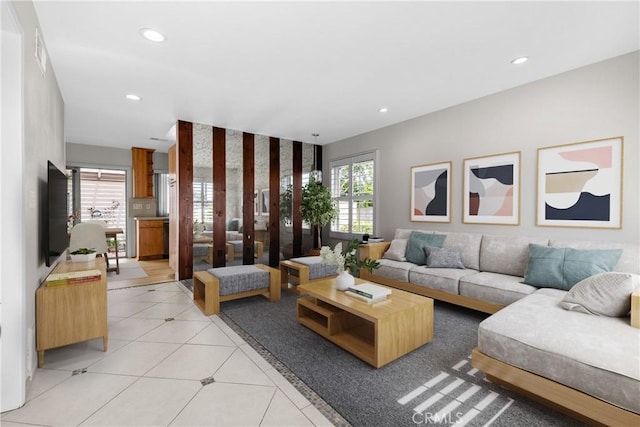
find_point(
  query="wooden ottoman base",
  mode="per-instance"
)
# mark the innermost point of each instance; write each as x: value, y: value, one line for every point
x: 300, y: 278
x: 206, y: 290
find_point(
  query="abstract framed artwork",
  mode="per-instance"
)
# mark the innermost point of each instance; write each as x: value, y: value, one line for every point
x: 580, y: 184
x: 492, y: 189
x: 431, y: 192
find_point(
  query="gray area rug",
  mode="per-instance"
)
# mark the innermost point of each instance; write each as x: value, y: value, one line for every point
x: 435, y: 384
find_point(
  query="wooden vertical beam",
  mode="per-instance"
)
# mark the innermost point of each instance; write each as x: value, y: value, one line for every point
x: 317, y: 165
x: 274, y: 202
x: 174, y: 217
x: 297, y: 198
x: 185, y: 199
x: 219, y: 196
x: 248, y: 187
x: 317, y: 158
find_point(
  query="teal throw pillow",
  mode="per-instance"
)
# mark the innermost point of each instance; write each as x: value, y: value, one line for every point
x: 562, y: 268
x: 418, y: 241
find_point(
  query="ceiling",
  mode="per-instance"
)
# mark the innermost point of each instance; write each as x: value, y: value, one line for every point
x: 292, y: 69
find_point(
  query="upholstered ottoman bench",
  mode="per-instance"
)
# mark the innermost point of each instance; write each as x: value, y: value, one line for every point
x: 297, y: 271
x: 228, y: 283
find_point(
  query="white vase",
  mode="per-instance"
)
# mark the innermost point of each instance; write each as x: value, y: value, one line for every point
x: 344, y: 281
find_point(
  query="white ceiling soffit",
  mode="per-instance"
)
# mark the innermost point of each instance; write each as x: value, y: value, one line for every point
x: 291, y: 69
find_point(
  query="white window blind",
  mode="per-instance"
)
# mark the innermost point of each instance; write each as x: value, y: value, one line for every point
x: 103, y: 196
x: 202, y: 200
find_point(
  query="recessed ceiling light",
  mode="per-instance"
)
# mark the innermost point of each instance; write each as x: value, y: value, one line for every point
x: 152, y: 35
x: 520, y: 60
x: 133, y: 97
x: 383, y: 110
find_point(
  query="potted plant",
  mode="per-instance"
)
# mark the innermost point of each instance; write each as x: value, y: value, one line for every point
x: 317, y: 207
x: 198, y: 228
x: 347, y: 262
x: 83, y: 255
x: 286, y: 205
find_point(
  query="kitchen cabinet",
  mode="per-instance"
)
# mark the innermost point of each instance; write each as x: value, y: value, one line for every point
x: 142, y: 162
x: 150, y: 241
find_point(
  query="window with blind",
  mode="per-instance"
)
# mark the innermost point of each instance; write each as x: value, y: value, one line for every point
x: 353, y: 188
x: 202, y: 200
x: 103, y: 196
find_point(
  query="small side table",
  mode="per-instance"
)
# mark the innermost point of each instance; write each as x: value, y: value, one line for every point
x: 635, y: 309
x: 373, y: 250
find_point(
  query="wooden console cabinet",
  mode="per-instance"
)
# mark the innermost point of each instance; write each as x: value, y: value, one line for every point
x: 150, y: 239
x: 68, y: 314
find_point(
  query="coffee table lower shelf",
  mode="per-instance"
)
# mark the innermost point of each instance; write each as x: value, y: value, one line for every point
x: 376, y: 341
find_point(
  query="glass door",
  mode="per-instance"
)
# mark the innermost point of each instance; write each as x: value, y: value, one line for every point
x: 100, y: 194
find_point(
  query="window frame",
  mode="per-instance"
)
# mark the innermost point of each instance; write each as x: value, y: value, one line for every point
x: 350, y: 199
x: 202, y: 202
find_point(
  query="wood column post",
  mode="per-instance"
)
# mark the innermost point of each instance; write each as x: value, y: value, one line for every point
x: 219, y: 196
x: 297, y: 198
x: 248, y: 187
x: 274, y: 202
x: 185, y: 199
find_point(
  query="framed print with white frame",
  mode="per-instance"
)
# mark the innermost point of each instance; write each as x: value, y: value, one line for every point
x: 431, y: 192
x: 580, y: 184
x: 491, y: 193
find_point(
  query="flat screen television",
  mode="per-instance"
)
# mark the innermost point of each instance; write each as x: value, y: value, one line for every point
x: 56, y: 239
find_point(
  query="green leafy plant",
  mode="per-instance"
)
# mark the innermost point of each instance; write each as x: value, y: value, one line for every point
x: 347, y: 259
x: 83, y: 251
x: 286, y: 205
x: 198, y: 226
x: 317, y: 208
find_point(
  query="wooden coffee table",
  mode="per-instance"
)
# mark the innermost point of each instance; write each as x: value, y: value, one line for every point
x: 377, y: 333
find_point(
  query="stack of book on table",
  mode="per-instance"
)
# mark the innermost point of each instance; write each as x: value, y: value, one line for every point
x: 368, y: 292
x: 72, y: 277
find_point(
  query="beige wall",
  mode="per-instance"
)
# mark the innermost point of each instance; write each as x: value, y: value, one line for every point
x: 43, y: 140
x: 593, y: 102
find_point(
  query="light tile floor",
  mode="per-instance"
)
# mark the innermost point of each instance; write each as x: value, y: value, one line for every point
x: 162, y: 350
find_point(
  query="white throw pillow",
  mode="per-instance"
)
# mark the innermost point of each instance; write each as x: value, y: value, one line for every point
x: 604, y: 294
x: 397, y: 250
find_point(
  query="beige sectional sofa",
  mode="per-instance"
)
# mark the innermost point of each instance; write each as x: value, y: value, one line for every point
x: 585, y: 365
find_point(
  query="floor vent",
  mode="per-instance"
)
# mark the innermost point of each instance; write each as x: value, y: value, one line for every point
x: 207, y: 381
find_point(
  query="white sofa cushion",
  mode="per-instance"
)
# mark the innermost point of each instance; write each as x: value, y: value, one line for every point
x: 506, y: 254
x: 405, y: 233
x: 398, y: 270
x: 596, y: 355
x: 442, y: 279
x: 469, y: 246
x: 494, y: 287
